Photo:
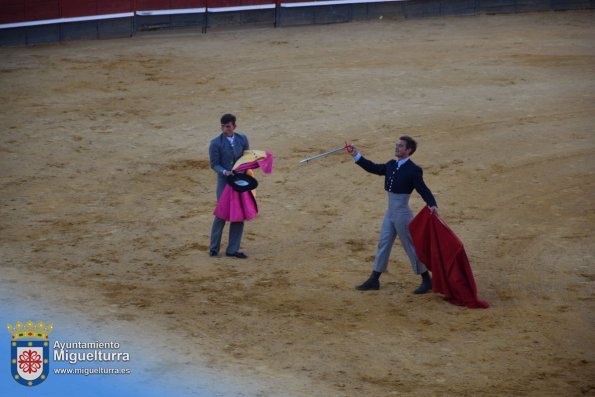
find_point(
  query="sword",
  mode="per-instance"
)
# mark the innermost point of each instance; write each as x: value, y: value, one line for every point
x: 322, y: 154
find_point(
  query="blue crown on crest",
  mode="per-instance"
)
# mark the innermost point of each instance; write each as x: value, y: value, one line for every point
x: 30, y: 330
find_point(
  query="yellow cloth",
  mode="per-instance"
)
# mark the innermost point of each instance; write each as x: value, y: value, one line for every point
x: 250, y: 156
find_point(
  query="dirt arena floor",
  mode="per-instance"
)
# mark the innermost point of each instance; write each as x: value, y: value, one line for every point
x: 107, y: 199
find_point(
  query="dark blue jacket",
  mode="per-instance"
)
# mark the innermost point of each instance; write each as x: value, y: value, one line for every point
x: 408, y: 177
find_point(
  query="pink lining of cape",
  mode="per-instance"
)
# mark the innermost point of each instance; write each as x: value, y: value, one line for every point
x: 236, y: 206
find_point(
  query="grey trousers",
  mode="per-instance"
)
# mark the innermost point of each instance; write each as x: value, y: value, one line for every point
x: 396, y: 223
x: 236, y: 229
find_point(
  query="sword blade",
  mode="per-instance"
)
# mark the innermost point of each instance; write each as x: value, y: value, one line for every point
x: 322, y: 154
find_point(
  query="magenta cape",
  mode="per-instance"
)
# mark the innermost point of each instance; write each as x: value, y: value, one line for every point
x: 443, y: 253
x: 236, y: 206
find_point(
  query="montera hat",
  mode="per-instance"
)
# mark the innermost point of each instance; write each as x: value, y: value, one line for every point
x: 241, y: 182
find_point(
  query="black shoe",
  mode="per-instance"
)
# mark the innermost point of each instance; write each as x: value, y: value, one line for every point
x: 369, y: 285
x: 238, y: 254
x: 213, y: 253
x: 426, y: 286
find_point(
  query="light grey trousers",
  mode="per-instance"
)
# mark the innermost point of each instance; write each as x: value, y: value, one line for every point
x: 236, y: 229
x: 396, y: 223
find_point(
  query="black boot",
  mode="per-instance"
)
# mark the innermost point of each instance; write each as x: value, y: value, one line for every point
x: 426, y: 283
x: 372, y: 283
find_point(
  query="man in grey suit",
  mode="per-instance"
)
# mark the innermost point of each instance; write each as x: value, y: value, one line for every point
x: 401, y: 176
x: 224, y: 151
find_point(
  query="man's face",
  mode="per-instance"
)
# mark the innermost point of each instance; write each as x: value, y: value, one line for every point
x: 401, y: 150
x: 228, y: 128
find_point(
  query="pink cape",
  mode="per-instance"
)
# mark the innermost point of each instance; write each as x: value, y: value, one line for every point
x: 443, y: 253
x: 236, y: 206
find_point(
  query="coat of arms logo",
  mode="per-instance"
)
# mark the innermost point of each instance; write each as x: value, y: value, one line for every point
x: 29, y: 347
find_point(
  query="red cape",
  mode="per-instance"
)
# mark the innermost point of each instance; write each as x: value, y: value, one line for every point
x: 443, y: 253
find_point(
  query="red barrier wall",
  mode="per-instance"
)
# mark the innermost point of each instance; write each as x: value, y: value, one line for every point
x: 12, y: 11
x: 42, y: 9
x: 78, y: 8
x: 28, y: 10
x: 34, y: 10
x: 298, y: 1
x: 167, y: 4
x: 236, y: 3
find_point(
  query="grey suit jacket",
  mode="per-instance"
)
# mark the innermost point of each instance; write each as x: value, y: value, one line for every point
x: 223, y: 156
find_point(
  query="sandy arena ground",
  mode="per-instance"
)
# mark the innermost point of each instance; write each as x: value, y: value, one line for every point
x: 107, y: 199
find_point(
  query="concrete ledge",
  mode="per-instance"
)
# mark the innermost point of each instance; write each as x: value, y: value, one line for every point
x: 563, y: 5
x: 115, y: 28
x: 187, y: 20
x: 211, y: 20
x: 13, y: 37
x: 310, y: 15
x: 165, y: 21
x: 359, y: 12
x: 421, y: 9
x: 459, y: 7
x: 496, y: 6
x: 245, y: 17
x: 151, y: 22
x: 334, y: 14
x: 43, y: 34
x: 532, y: 5
x: 391, y: 10
x: 85, y: 30
x: 78, y: 31
x: 296, y: 16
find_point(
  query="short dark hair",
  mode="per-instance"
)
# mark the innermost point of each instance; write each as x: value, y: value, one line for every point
x: 410, y: 143
x: 228, y: 118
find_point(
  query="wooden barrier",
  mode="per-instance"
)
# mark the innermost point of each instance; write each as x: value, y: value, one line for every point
x: 44, y: 21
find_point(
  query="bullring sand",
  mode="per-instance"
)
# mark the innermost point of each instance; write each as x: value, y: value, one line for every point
x: 107, y: 199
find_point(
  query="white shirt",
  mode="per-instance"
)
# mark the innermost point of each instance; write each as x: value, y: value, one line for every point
x: 401, y: 162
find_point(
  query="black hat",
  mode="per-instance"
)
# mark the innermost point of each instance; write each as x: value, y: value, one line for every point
x: 241, y: 182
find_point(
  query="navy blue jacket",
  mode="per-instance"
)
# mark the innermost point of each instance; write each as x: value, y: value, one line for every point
x: 408, y: 177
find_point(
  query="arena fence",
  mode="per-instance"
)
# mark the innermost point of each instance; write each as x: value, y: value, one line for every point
x: 27, y: 22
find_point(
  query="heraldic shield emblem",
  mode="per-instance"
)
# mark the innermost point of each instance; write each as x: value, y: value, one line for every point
x: 29, y: 347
